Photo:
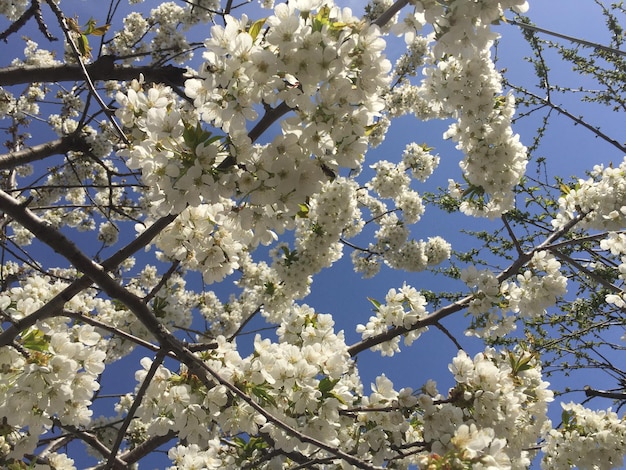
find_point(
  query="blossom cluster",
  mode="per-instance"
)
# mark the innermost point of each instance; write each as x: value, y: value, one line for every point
x: 488, y: 319
x: 402, y: 308
x: 206, y: 159
x: 304, y: 379
x: 14, y: 9
x: 493, y: 414
x: 587, y: 439
x: 537, y: 288
x: 601, y: 199
x: 393, y: 245
x: 27, y: 104
x: 160, y: 32
x: 615, y: 243
x: 52, y: 375
x: 527, y: 296
x: 461, y: 82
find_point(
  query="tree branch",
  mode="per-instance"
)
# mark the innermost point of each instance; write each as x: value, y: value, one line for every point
x: 566, y: 37
x: 55, y: 305
x: 144, y: 448
x: 102, y: 69
x: 590, y: 392
x: 351, y: 459
x: 460, y: 304
x: 388, y: 14
x: 39, y: 152
x: 154, y: 367
x: 88, y: 81
x: 577, y: 120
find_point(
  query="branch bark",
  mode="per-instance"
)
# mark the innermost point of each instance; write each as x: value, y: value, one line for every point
x: 590, y: 392
x: 573, y: 39
x: 39, y: 152
x: 55, y: 305
x: 102, y: 69
x: 390, y: 12
x: 448, y: 310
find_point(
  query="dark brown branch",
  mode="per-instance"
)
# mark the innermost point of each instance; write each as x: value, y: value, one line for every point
x: 33, y: 11
x: 154, y: 367
x: 41, y: 23
x: 99, y: 275
x: 566, y: 37
x: 269, y: 118
x: 390, y: 12
x: 590, y: 392
x: 55, y: 305
x: 170, y: 272
x: 92, y: 441
x: 518, y: 247
x: 102, y: 69
x: 450, y: 336
x: 39, y: 152
x: 391, y: 333
x: 144, y: 448
x: 460, y: 304
x: 115, y: 331
x: 20, y: 22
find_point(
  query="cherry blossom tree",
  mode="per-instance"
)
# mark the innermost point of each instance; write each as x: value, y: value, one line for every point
x: 177, y: 172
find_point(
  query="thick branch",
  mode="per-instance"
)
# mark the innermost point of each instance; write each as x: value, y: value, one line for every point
x: 39, y: 152
x: 390, y: 12
x: 102, y: 69
x: 92, y: 441
x: 145, y: 448
x: 590, y: 392
x: 56, y: 304
x: 269, y: 118
x: 20, y: 22
x: 443, y: 312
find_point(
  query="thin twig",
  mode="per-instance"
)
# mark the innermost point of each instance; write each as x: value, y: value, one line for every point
x: 566, y: 37
x: 518, y: 247
x: 55, y: 305
x: 79, y: 59
x: 158, y: 360
x: 460, y: 304
x: 566, y: 113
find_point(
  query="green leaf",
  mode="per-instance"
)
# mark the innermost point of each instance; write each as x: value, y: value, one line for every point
x: 91, y: 28
x: 270, y: 288
x: 100, y: 30
x: 82, y: 44
x: 303, y: 213
x: 375, y: 303
x: 262, y: 394
x: 327, y: 384
x: 321, y: 18
x: 256, y: 27
x: 35, y: 340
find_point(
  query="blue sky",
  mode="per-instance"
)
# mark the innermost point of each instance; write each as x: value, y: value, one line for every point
x: 569, y: 150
